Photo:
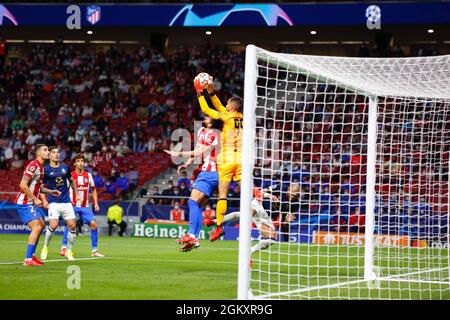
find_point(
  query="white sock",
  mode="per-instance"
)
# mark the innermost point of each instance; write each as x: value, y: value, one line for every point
x: 231, y: 216
x: 263, y: 244
x: 70, y: 239
x: 48, y: 236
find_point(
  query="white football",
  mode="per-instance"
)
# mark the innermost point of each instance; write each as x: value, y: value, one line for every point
x: 204, y: 78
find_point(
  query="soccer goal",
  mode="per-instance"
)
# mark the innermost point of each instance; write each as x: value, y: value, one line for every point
x: 367, y: 141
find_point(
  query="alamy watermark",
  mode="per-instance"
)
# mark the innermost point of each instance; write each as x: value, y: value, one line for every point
x: 373, y: 15
x: 268, y: 144
x: 74, y: 279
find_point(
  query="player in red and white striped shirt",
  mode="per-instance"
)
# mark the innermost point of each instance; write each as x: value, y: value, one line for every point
x: 84, y: 183
x: 207, y: 138
x: 207, y: 146
x: 28, y: 200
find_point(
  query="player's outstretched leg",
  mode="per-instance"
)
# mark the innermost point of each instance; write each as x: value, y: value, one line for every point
x: 268, y: 237
x: 208, y: 222
x: 263, y: 244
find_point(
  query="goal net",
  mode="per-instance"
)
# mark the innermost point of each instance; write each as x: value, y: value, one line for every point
x: 366, y: 141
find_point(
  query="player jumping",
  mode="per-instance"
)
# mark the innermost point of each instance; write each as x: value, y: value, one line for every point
x: 58, y: 176
x: 28, y: 200
x: 207, y: 179
x: 229, y: 159
x: 84, y: 183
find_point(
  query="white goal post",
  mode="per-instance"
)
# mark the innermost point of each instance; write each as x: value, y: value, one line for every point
x: 366, y: 142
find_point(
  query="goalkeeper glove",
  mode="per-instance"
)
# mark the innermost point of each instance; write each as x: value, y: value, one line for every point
x: 198, y: 87
x: 210, y: 88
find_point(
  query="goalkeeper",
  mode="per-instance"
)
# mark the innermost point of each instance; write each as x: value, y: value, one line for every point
x: 229, y: 159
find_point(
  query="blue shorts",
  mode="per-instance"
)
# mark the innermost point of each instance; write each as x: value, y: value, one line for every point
x: 206, y: 182
x: 86, y: 214
x: 29, y: 212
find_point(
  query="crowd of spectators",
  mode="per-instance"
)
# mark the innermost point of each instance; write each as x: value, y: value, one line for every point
x: 180, y: 191
x: 107, y: 104
x: 322, y: 145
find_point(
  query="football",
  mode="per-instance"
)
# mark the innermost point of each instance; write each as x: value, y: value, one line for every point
x: 203, y: 79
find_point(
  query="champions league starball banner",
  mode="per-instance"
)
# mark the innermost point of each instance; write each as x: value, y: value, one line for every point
x: 215, y: 15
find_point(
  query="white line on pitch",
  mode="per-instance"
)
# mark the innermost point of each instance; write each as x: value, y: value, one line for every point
x: 132, y: 245
x: 132, y: 259
x: 415, y: 272
x: 327, y: 286
x: 414, y: 280
x: 174, y: 260
x: 54, y: 260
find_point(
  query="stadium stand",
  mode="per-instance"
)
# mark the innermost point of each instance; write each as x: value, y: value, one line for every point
x: 119, y: 108
x: 126, y: 105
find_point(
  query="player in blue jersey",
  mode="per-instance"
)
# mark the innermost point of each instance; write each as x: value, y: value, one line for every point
x: 81, y: 204
x: 57, y: 176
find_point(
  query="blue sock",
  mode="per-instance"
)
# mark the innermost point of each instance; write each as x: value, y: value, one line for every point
x: 30, y: 250
x: 35, y: 246
x: 195, y: 217
x: 64, y: 240
x: 94, y: 239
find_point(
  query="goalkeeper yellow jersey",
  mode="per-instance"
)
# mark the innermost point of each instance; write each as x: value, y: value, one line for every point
x: 231, y: 138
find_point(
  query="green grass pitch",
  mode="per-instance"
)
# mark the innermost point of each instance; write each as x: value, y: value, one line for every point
x: 144, y: 268
x: 133, y: 268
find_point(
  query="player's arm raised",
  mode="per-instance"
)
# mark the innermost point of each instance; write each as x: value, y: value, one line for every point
x: 199, y: 88
x: 24, y: 186
x: 206, y: 109
x: 214, y: 99
x: 199, y: 150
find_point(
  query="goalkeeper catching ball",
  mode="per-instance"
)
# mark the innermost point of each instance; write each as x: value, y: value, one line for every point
x: 229, y: 158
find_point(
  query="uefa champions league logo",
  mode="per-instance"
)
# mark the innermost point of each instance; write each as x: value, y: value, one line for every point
x: 373, y: 15
x: 4, y: 13
x: 269, y: 12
